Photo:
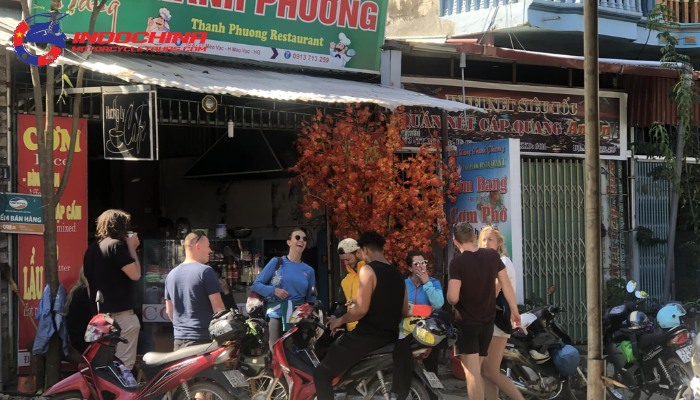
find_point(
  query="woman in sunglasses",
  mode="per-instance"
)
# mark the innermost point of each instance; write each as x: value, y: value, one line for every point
x: 424, y: 296
x: 286, y: 285
x: 490, y: 237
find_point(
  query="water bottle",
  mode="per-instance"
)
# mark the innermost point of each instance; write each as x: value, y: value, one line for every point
x: 126, y: 375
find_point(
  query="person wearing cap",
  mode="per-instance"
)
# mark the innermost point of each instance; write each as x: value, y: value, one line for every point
x: 381, y: 302
x: 347, y: 251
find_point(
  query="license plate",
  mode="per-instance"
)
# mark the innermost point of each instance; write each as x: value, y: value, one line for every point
x: 433, y: 380
x: 235, y: 378
x: 684, y: 353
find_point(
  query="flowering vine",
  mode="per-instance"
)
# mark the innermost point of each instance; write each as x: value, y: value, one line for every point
x: 350, y: 164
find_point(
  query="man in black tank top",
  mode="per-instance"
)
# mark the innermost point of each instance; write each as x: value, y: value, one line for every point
x: 381, y: 303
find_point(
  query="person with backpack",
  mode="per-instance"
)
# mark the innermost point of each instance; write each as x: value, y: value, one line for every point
x: 286, y: 284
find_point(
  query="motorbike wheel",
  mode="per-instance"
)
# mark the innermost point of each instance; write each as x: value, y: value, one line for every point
x: 209, y: 390
x: 75, y: 395
x: 257, y: 386
x: 416, y: 392
x: 680, y: 372
x: 617, y: 393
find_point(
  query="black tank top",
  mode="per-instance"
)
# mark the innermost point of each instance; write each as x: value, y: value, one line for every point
x: 385, y: 309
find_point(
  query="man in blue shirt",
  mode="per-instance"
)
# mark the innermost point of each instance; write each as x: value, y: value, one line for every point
x: 192, y: 293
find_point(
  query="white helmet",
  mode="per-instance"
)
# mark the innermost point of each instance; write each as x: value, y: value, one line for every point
x: 539, y: 358
x: 526, y: 320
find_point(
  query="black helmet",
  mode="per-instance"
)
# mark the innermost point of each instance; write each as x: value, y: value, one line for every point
x: 253, y: 360
x: 226, y: 326
x: 637, y: 320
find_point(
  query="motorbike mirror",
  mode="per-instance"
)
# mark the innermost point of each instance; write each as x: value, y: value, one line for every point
x: 99, y: 299
x: 551, y: 290
x: 631, y: 286
x: 641, y: 294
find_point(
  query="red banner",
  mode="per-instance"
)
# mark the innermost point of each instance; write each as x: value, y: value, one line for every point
x: 71, y: 221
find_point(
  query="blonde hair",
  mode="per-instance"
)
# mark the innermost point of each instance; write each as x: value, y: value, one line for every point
x: 501, y: 248
x: 80, y: 283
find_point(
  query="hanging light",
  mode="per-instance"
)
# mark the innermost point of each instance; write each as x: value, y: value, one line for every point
x: 230, y: 127
x: 209, y: 103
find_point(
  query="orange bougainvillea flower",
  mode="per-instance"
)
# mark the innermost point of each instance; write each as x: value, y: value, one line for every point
x: 349, y: 164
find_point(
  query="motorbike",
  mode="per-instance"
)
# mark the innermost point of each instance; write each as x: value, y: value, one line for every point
x: 641, y: 356
x: 179, y: 374
x: 295, y: 358
x: 541, y: 360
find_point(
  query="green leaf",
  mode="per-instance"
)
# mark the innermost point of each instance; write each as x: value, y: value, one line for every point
x: 67, y: 80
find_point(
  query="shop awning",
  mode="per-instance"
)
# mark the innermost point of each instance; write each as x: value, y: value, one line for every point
x: 208, y: 77
x: 204, y: 76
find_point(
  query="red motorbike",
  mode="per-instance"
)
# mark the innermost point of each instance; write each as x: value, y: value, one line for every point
x: 181, y: 374
x: 294, y: 360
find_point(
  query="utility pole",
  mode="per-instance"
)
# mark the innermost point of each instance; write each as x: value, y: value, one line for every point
x: 596, y: 364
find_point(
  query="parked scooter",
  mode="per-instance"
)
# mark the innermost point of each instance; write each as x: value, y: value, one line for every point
x: 181, y: 374
x: 641, y: 357
x: 295, y: 358
x: 541, y: 360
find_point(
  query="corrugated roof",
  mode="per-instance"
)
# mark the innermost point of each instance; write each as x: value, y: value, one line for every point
x: 206, y: 77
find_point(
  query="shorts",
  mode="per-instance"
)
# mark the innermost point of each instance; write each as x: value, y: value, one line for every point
x: 472, y: 339
x: 499, y: 333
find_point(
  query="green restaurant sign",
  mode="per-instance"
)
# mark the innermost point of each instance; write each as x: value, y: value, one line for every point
x: 334, y: 34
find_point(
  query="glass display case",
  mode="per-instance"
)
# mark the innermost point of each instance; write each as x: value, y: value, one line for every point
x: 238, y: 261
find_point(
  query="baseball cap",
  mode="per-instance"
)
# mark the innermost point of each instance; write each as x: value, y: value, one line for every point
x: 348, y: 245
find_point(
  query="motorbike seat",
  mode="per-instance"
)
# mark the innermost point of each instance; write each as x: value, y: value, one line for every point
x: 389, y: 348
x: 153, y: 359
x: 648, y: 340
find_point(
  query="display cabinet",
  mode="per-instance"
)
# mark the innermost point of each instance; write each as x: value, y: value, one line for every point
x: 238, y: 261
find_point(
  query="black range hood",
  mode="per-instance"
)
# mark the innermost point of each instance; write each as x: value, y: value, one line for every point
x: 250, y: 154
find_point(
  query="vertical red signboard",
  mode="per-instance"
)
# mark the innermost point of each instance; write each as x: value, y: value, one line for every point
x: 71, y: 221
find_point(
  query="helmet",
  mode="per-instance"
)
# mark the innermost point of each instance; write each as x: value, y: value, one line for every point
x: 255, y: 307
x: 539, y: 358
x: 102, y: 327
x: 253, y: 360
x: 669, y: 315
x: 429, y: 331
x: 566, y: 359
x: 637, y: 320
x: 226, y: 326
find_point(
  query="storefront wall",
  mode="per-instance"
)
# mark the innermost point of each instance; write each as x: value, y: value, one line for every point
x: 549, y: 123
x: 5, y: 295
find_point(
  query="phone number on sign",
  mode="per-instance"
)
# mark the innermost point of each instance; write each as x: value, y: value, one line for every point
x: 310, y: 57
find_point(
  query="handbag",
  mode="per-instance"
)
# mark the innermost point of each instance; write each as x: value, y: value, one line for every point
x: 502, y: 320
x: 256, y: 304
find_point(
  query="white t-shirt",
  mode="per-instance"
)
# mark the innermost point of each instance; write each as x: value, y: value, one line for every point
x: 510, y: 269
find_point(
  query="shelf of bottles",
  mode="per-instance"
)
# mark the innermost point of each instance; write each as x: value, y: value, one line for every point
x: 239, y: 261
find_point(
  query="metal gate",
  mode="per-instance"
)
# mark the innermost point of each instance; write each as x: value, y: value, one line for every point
x: 652, y: 211
x: 553, y: 237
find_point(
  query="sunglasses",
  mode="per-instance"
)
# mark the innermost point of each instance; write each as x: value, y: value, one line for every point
x: 299, y: 237
x: 417, y: 263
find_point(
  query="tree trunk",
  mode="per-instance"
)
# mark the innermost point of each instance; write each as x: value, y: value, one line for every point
x: 50, y: 196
